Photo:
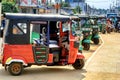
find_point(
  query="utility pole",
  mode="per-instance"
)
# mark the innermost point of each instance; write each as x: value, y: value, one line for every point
x: 0, y: 27
x: 0, y: 21
x: 57, y: 5
x: 60, y: 5
x: 0, y: 12
x: 117, y: 5
x: 78, y: 6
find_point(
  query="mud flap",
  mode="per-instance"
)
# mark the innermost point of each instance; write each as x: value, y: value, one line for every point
x: 80, y: 56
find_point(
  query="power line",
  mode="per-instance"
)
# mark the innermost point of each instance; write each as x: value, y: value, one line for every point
x: 98, y: 1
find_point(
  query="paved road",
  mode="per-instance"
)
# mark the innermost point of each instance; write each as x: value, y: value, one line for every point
x: 105, y: 65
x: 45, y: 73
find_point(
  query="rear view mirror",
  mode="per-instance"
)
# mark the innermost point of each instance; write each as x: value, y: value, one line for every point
x: 2, y: 25
x: 1, y: 32
x: 58, y: 24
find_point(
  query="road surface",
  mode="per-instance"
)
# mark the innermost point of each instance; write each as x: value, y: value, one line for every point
x: 105, y: 64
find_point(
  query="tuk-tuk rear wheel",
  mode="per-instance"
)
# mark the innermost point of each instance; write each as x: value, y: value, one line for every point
x: 86, y: 46
x: 109, y: 30
x: 104, y: 31
x: 96, y: 41
x: 15, y: 68
x: 79, y: 64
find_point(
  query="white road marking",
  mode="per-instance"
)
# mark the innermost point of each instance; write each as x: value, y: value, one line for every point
x: 88, y: 61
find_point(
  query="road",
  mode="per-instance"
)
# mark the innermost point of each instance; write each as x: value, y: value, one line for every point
x: 104, y: 65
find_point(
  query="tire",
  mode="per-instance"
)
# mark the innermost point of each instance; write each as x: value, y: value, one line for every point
x: 109, y: 30
x: 79, y: 64
x: 104, y: 31
x: 86, y: 46
x: 119, y: 31
x: 15, y: 68
x: 96, y: 41
x: 80, y: 51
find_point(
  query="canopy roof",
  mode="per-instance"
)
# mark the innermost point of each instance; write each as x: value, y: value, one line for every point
x: 42, y: 17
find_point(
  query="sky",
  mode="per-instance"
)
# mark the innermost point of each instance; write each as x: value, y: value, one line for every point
x: 102, y: 4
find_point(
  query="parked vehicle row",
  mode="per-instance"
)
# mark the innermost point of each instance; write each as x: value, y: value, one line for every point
x: 48, y: 39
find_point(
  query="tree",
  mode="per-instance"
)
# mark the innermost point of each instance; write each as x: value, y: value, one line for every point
x: 63, y: 4
x: 77, y: 10
x: 9, y: 6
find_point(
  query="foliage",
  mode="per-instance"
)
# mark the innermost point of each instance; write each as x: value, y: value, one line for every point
x: 8, y: 6
x: 77, y: 10
x: 63, y: 4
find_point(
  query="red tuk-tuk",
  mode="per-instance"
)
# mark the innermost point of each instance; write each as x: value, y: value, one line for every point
x: 39, y: 39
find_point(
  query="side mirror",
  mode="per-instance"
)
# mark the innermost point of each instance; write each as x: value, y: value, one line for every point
x: 1, y: 32
x: 57, y: 25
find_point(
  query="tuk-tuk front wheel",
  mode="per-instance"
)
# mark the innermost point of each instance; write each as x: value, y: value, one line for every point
x: 96, y: 41
x: 15, y: 68
x: 79, y: 64
x: 108, y: 30
x: 86, y: 46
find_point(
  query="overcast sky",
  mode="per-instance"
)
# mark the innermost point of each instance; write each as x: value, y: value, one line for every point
x: 104, y: 4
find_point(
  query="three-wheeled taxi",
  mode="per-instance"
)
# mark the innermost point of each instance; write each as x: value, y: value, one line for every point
x: 86, y: 30
x: 39, y: 39
x: 95, y: 29
x: 117, y: 27
x: 77, y: 28
x: 102, y: 24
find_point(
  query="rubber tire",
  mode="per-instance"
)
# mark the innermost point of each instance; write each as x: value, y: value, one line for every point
x: 79, y: 64
x: 96, y: 41
x: 80, y: 51
x: 104, y: 31
x: 16, y: 65
x: 118, y: 31
x: 86, y: 46
x: 109, y: 31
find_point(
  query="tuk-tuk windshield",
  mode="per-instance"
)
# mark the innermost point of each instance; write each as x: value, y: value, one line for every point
x: 65, y: 26
x: 75, y: 27
x: 85, y: 22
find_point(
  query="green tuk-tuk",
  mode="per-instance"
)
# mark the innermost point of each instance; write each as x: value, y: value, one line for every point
x: 86, y: 31
x: 95, y: 29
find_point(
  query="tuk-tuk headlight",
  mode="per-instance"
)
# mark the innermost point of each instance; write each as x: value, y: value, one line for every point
x: 86, y: 29
x: 95, y: 26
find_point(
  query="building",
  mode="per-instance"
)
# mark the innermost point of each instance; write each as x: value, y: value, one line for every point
x: 81, y: 3
x: 70, y: 1
x: 32, y: 6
